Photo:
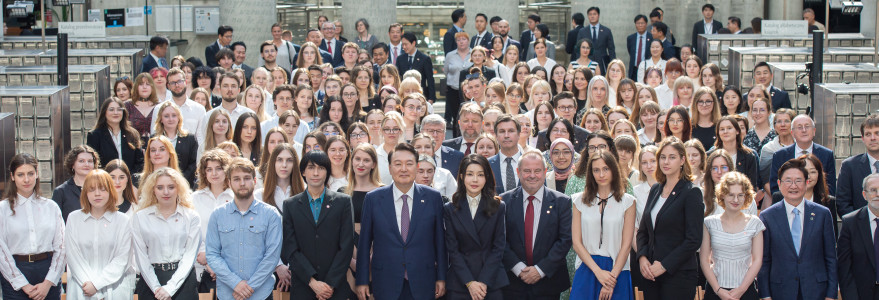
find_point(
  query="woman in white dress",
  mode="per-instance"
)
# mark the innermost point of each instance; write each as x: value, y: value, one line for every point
x: 540, y: 59
x: 656, y: 60
x: 213, y: 191
x: 99, y: 244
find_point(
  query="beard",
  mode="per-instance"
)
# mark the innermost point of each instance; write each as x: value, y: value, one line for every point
x: 177, y: 95
x: 245, y: 195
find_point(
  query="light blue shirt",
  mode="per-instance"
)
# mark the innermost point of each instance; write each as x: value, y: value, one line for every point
x: 244, y: 246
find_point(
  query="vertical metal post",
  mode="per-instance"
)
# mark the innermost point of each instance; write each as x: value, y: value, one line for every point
x: 43, y: 30
x: 62, y: 59
x: 876, y: 37
x: 817, y: 67
x: 826, y: 25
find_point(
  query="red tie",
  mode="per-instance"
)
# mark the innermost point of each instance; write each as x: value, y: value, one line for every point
x: 466, y: 152
x: 529, y: 232
x: 638, y: 60
x: 394, y: 55
x: 330, y: 47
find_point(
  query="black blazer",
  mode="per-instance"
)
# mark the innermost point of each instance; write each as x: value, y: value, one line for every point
x: 321, y: 251
x: 449, y: 44
x: 571, y: 43
x: 857, y: 261
x: 680, y: 223
x: 632, y: 46
x: 100, y: 140
x: 550, y: 247
x: 603, y: 49
x: 248, y: 71
x: 579, y: 139
x: 475, y: 246
x: 210, y: 54
x: 489, y: 74
x: 849, y: 185
x: 699, y: 28
x: 148, y: 63
x: 484, y: 42
x: 455, y: 144
x: 423, y: 65
x: 337, y: 52
x: 746, y: 163
x: 187, y: 160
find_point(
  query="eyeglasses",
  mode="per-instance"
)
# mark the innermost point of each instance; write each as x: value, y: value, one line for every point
x: 392, y: 130
x: 720, y: 169
x: 675, y: 121
x: 735, y: 197
x: 788, y: 182
x: 178, y: 82
x: 567, y: 108
x: 803, y: 128
x: 559, y: 131
x: 596, y: 148
x: 349, y: 94
x: 872, y: 191
x: 414, y: 107
x: 562, y: 153
x: 705, y: 103
x: 434, y: 131
x: 358, y: 135
x: 332, y: 133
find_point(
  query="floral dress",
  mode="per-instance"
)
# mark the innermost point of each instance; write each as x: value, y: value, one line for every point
x: 753, y: 141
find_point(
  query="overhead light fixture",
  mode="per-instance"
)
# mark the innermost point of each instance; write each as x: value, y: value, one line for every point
x: 852, y: 8
x: 20, y: 9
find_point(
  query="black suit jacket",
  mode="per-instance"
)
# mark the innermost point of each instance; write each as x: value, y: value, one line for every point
x: 550, y: 247
x: 475, y: 245
x: 187, y: 156
x: 524, y: 39
x: 699, y: 28
x: 423, y: 65
x: 449, y: 44
x: 455, y: 144
x: 484, y: 42
x: 603, y: 49
x: 571, y: 42
x: 100, y: 140
x: 319, y: 250
x: 632, y: 46
x: 148, y: 63
x: 680, y: 227
x: 248, y: 71
x: 336, y: 55
x: 856, y: 257
x: 849, y: 184
x: 780, y: 98
x: 210, y: 55
x: 486, y: 72
x: 579, y: 139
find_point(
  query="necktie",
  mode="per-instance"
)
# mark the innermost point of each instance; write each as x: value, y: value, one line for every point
x: 796, y: 230
x: 511, y: 179
x: 478, y: 39
x: 330, y: 47
x: 529, y: 232
x: 163, y: 62
x: 395, y: 55
x: 638, y: 60
x: 404, y: 225
x: 467, y: 151
x: 876, y: 166
x: 594, y: 34
x: 876, y: 246
x: 410, y: 60
x: 804, y: 152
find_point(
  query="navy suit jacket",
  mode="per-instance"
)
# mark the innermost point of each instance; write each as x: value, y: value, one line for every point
x: 451, y: 159
x: 849, y: 187
x: 549, y: 249
x: 423, y: 252
x: 525, y: 39
x: 148, y: 63
x: 423, y: 65
x: 780, y: 98
x: 484, y: 42
x: 336, y: 57
x: 455, y: 144
x: 495, y: 163
x: 476, y: 246
x: 632, y: 46
x: 571, y: 42
x: 668, y: 49
x: 699, y: 28
x: 787, y: 153
x: 603, y: 49
x: 812, y: 272
x: 210, y: 55
x: 449, y: 44
x: 856, y: 277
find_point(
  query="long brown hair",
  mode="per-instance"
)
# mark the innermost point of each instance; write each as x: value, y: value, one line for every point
x: 128, y: 192
x: 217, y: 155
x: 488, y: 191
x: 210, y: 142
x: 131, y: 134
x: 270, y: 181
x: 819, y: 192
x: 708, y: 184
x: 718, y: 143
x: 264, y: 156
x: 19, y: 160
x: 135, y: 94
x: 678, y: 146
x: 687, y: 130
x: 617, y: 184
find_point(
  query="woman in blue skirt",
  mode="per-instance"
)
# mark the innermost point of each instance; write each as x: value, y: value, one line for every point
x: 603, y: 230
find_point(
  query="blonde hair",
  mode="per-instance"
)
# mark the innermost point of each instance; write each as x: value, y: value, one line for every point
x: 540, y: 83
x: 409, y: 83
x: 394, y: 72
x: 147, y: 187
x: 606, y: 99
x: 148, y: 166
x: 160, y: 127
x: 227, y: 146
x: 730, y: 179
x: 98, y: 179
x: 261, y: 110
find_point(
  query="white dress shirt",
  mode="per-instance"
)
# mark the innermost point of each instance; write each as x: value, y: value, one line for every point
x: 603, y: 235
x: 473, y: 204
x: 665, y: 96
x: 646, y: 64
x: 656, y: 208
x: 192, y: 113
x: 117, y: 141
x: 799, y: 151
x: 537, y: 202
x: 398, y: 204
x: 383, y: 166
x: 233, y: 115
x: 463, y: 148
x: 709, y: 25
x: 166, y: 240
x: 790, y: 215
x: 36, y: 227
x: 99, y: 251
x: 444, y: 182
x: 301, y: 131
x: 872, y: 220
x: 514, y: 164
x: 547, y: 65
x: 395, y: 51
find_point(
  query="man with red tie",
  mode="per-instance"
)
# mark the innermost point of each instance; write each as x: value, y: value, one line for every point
x: 638, y: 44
x: 535, y: 263
x: 470, y: 124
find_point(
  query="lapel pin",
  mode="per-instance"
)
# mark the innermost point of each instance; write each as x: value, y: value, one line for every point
x: 328, y: 206
x: 547, y: 212
x: 673, y: 193
x: 550, y: 207
x: 422, y: 201
x: 251, y: 218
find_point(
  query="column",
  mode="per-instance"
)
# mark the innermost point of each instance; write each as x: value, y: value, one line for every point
x: 619, y: 17
x: 507, y: 9
x: 379, y: 13
x: 785, y: 10
x: 251, y: 21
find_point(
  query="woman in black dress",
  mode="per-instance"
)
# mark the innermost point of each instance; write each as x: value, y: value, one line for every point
x: 362, y: 178
x: 78, y: 163
x: 124, y: 185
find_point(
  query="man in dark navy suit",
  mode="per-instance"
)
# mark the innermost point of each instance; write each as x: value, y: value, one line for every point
x: 638, y: 44
x: 528, y: 35
x: 482, y: 36
x: 224, y: 40
x: 450, y: 159
x: 706, y: 25
x: 459, y: 18
x: 763, y: 75
x: 856, y: 249
x: 412, y: 59
x: 503, y: 29
x: 854, y: 169
x: 799, y: 251
x: 156, y: 57
x: 803, y: 131
x: 330, y: 44
x: 603, y: 48
x: 315, y: 37
x: 577, y: 21
x: 503, y: 164
x: 239, y: 49
x: 402, y: 230
x: 470, y: 123
x: 535, y: 263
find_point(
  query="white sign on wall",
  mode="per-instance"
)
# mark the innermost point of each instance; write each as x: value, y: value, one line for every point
x: 790, y: 28
x: 83, y: 29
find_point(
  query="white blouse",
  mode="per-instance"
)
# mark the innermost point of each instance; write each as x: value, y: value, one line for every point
x: 280, y: 195
x: 336, y: 183
x: 205, y: 203
x: 444, y: 182
x: 99, y: 250
x: 384, y: 170
x: 641, y: 192
x: 36, y: 227
x: 166, y: 240
x: 731, y: 252
x: 603, y: 236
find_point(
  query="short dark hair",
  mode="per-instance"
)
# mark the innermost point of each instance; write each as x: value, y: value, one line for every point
x: 661, y: 27
x: 314, y: 68
x: 534, y: 17
x: 544, y: 30
x: 736, y: 20
x: 266, y: 43
x: 657, y: 9
x: 457, y: 14
x: 507, y: 118
x: 762, y: 64
x: 403, y: 147
x: 561, y: 96
x: 595, y: 8
x: 708, y: 6
x: 795, y: 164
x: 410, y: 37
x: 655, y: 14
x: 481, y: 15
x: 871, y: 121
x: 318, y: 158
x: 638, y: 17
x: 224, y: 53
x: 223, y: 29
x: 756, y: 24
x: 157, y: 41
x: 494, y: 19
x: 236, y: 44
x: 578, y: 18
x: 204, y: 71
x: 380, y: 45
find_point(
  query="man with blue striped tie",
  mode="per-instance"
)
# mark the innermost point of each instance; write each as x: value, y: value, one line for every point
x: 156, y: 58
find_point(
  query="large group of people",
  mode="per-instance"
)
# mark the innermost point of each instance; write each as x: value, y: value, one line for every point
x: 325, y: 172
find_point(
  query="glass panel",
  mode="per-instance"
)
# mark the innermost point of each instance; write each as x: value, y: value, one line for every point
x: 26, y: 147
x: 8, y: 105
x: 26, y: 129
x: 44, y: 149
x: 42, y: 108
x: 859, y: 105
x: 26, y: 107
x: 856, y: 126
x: 843, y: 126
x: 843, y: 145
x: 30, y: 79
x: 44, y: 128
x: 75, y: 102
x: 89, y: 103
x: 46, y: 170
x: 843, y: 104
